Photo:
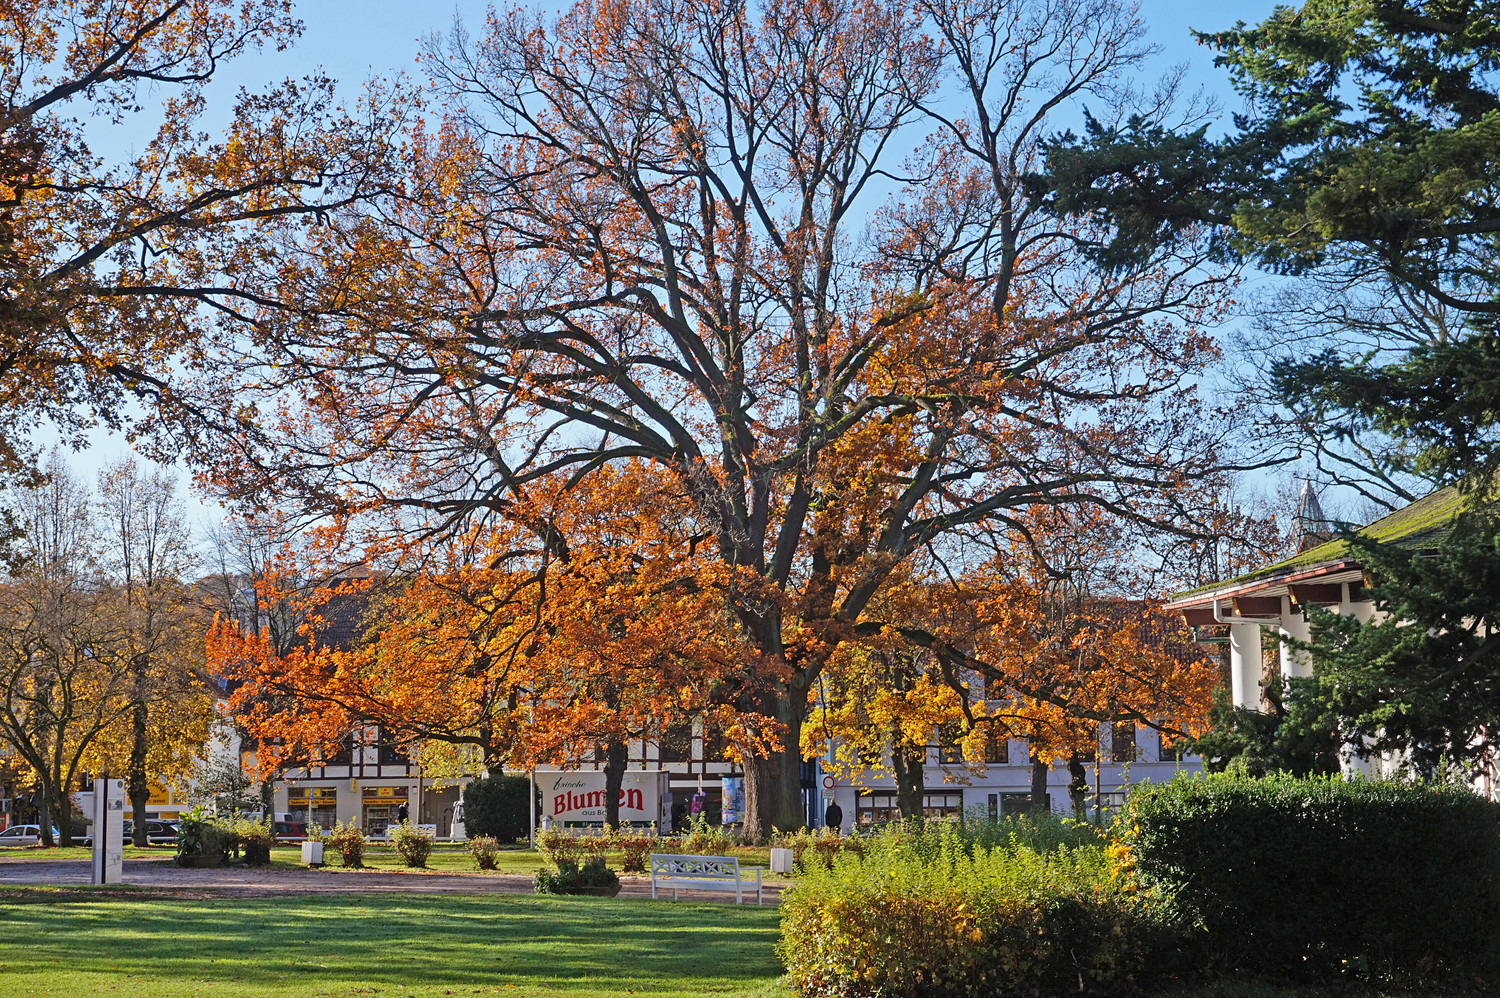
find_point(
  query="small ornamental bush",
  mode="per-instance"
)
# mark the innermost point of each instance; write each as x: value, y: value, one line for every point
x: 703, y: 839
x: 485, y: 851
x: 202, y: 841
x: 820, y: 846
x: 634, y: 846
x: 592, y: 878
x: 558, y: 847
x: 413, y: 845
x: 255, y: 839
x: 925, y: 913
x: 1305, y: 879
x: 348, y: 841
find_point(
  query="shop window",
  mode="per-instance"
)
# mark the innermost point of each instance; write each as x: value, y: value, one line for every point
x: 875, y: 807
x: 1122, y: 741
x: 943, y: 805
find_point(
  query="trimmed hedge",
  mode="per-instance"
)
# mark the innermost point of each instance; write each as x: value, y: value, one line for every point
x: 928, y: 913
x: 1322, y: 878
x: 496, y: 806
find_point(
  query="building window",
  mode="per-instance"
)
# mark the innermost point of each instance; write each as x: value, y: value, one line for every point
x: 997, y: 747
x: 676, y: 742
x: 876, y: 807
x: 343, y: 754
x: 950, y: 747
x: 1168, y: 749
x: 1122, y: 741
x: 943, y: 805
x: 1007, y: 804
x: 391, y: 754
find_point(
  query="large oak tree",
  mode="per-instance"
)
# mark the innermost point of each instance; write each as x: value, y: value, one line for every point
x: 780, y: 253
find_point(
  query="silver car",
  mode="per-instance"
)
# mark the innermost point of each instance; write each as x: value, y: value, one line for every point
x: 24, y: 835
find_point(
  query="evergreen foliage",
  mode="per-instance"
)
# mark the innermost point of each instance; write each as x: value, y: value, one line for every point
x: 496, y: 806
x: 1325, y: 878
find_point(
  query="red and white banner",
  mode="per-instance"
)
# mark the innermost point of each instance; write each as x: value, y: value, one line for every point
x: 579, y: 795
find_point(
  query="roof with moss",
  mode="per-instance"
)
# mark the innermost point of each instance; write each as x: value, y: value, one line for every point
x: 1420, y: 525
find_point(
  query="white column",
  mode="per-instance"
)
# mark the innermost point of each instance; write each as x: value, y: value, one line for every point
x: 1244, y: 665
x: 1294, y: 662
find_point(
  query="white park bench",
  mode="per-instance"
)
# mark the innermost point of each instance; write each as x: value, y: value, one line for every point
x: 705, y: 873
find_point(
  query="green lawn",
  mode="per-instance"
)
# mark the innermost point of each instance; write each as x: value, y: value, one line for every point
x: 385, y: 945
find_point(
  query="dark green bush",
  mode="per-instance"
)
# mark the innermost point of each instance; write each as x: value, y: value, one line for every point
x: 1307, y: 879
x: 592, y: 878
x: 496, y: 806
x: 927, y: 913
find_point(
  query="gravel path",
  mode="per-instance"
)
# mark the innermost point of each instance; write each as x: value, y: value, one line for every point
x: 162, y: 877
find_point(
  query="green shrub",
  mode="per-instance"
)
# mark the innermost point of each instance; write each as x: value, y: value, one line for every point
x: 485, y: 851
x: 592, y: 878
x: 255, y: 839
x: 496, y: 806
x: 348, y: 841
x: 202, y: 841
x: 413, y: 845
x: 1320, y: 878
x: 926, y: 913
x: 701, y: 838
x: 559, y: 847
x: 820, y: 846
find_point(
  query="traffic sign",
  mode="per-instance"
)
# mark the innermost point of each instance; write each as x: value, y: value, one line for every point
x: 827, y: 783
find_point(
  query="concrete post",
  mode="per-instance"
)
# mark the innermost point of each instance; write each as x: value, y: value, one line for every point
x: 1244, y: 665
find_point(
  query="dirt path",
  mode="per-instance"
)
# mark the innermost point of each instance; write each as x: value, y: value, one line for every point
x: 159, y: 876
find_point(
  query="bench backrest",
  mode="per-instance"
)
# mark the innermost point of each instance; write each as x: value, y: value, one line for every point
x: 695, y: 866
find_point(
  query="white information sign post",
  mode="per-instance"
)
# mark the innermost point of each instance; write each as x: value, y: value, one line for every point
x: 109, y: 831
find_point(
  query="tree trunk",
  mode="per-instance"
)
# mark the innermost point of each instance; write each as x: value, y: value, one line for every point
x: 139, y: 789
x: 1078, y: 787
x: 773, y: 783
x: 908, y: 761
x: 44, y: 812
x: 1039, y: 769
x: 616, y: 757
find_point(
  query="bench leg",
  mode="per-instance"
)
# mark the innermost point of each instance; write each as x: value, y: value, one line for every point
x: 653, y: 888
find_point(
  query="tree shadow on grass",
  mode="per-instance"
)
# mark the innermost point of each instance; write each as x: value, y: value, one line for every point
x: 570, y: 945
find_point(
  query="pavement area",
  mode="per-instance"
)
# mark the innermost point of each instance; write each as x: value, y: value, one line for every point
x: 161, y: 876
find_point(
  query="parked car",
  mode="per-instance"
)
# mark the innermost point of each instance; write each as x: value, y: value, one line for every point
x: 24, y: 835
x: 158, y: 833
x: 289, y: 831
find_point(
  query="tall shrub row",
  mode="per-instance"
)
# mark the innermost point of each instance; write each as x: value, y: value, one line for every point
x: 1307, y: 879
x: 1280, y: 880
x: 930, y: 912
